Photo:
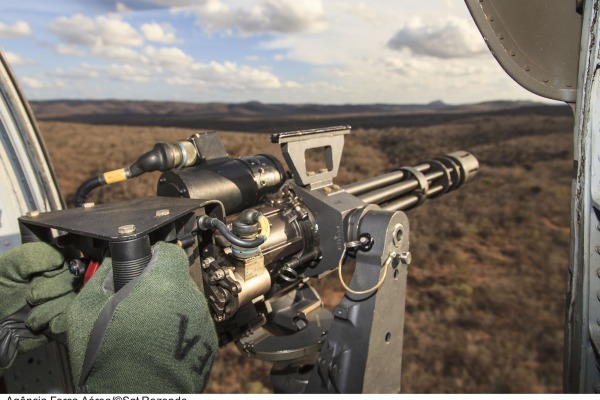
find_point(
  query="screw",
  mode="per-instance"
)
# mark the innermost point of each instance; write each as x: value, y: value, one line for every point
x: 300, y: 323
x: 206, y: 262
x: 336, y: 187
x: 162, y: 213
x: 327, y: 189
x: 33, y: 213
x: 126, y: 229
x: 405, y: 257
x: 89, y: 204
x: 77, y: 267
x: 219, y: 274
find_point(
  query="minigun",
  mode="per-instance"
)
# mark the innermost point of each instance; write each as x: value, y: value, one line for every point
x: 255, y: 235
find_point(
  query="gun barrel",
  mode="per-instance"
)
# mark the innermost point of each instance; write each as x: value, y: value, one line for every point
x: 408, y: 187
x: 379, y: 181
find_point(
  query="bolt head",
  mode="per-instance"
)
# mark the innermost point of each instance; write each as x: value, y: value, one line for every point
x: 126, y: 229
x: 89, y: 204
x: 32, y: 213
x: 405, y: 257
x: 77, y: 267
x: 162, y: 213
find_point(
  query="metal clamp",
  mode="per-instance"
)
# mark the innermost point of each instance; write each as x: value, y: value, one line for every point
x: 423, y: 190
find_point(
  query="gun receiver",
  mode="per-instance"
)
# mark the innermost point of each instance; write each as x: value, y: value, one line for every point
x: 254, y: 240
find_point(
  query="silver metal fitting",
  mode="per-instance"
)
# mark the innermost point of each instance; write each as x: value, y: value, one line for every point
x: 89, y: 204
x: 162, y: 213
x: 206, y: 262
x: 126, y: 229
x: 33, y: 213
x: 405, y: 257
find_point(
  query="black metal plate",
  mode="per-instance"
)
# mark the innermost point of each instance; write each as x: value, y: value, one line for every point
x: 103, y: 221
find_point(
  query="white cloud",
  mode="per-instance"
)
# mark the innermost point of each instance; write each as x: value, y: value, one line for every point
x: 265, y: 16
x: 101, y: 31
x: 453, y: 38
x: 18, y: 29
x: 16, y: 60
x: 84, y: 71
x: 122, y: 8
x: 160, y: 33
x: 359, y: 10
x: 119, y: 53
x: 37, y: 83
x: 230, y: 75
x: 291, y: 85
x: 66, y: 50
x: 128, y: 73
x: 172, y: 66
x: 87, y: 72
x: 225, y: 75
x: 168, y: 56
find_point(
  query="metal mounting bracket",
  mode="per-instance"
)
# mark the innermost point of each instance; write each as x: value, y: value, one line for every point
x: 295, y: 144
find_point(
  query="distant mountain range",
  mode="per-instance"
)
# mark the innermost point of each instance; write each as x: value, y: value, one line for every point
x: 254, y: 116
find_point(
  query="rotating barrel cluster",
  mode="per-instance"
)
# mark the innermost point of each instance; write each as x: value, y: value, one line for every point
x: 408, y: 187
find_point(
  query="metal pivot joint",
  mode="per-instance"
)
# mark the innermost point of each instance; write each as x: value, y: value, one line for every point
x: 363, y: 347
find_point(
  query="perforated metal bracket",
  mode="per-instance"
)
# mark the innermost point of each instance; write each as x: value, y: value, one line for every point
x: 295, y: 144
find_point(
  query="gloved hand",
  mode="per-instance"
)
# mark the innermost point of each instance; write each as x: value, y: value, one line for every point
x: 33, y: 274
x: 155, y: 335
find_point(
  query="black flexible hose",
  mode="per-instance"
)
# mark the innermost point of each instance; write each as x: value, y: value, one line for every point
x: 86, y: 187
x: 206, y: 222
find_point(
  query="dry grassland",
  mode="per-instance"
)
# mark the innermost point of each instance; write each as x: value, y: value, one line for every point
x: 487, y: 283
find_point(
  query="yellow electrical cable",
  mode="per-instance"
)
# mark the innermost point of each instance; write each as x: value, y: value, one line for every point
x: 385, y: 265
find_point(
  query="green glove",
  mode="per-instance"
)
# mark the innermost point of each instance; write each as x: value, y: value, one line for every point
x: 155, y: 335
x: 35, y: 275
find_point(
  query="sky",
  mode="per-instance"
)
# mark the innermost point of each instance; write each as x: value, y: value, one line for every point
x: 272, y: 51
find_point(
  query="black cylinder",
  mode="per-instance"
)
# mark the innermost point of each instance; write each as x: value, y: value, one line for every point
x: 129, y: 259
x: 33, y: 233
x: 238, y: 183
